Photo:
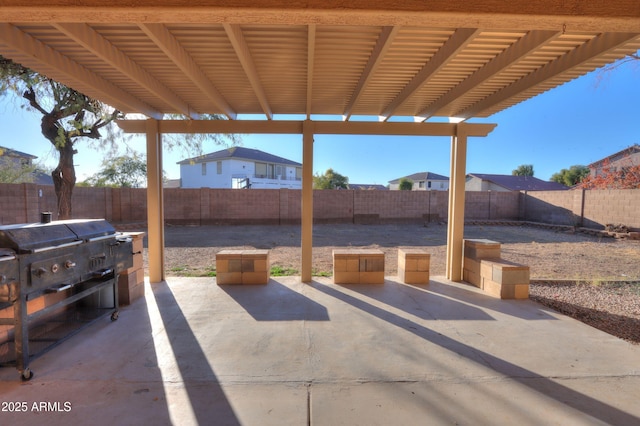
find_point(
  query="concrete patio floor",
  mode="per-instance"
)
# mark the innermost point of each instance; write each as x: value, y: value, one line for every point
x: 287, y: 353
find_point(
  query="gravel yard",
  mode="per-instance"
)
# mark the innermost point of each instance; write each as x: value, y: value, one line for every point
x: 593, y: 279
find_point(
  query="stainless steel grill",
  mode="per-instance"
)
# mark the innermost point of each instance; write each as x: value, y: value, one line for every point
x: 55, y: 278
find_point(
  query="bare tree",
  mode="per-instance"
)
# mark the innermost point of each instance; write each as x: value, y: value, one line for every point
x: 68, y: 116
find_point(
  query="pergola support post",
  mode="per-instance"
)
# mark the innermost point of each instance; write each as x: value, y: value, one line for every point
x: 155, y: 202
x: 307, y: 200
x: 455, y: 223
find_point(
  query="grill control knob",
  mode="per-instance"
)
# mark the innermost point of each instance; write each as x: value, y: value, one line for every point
x: 54, y: 268
x: 40, y: 271
x: 69, y: 264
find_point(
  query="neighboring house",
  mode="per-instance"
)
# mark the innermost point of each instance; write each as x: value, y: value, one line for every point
x: 240, y: 167
x: 171, y: 183
x: 16, y: 157
x: 485, y: 182
x: 366, y: 187
x: 423, y: 181
x: 24, y: 160
x: 628, y: 157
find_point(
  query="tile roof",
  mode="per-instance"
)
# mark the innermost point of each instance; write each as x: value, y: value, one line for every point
x: 617, y: 156
x: 13, y: 153
x: 421, y: 176
x: 240, y: 152
x: 520, y: 183
x: 361, y: 186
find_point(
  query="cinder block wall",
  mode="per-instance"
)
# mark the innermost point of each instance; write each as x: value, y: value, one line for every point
x: 590, y: 209
x: 554, y: 207
x: 24, y: 202
x: 612, y: 206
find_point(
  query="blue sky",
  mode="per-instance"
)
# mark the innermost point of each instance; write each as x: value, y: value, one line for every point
x: 577, y: 123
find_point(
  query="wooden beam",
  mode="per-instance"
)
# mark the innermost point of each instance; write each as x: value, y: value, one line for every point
x: 307, y: 202
x: 579, y: 55
x: 90, y: 39
x: 619, y: 15
x: 382, y: 45
x: 176, y: 53
x: 311, y: 56
x: 458, y: 41
x: 37, y: 55
x: 234, y: 32
x: 522, y: 47
x: 155, y: 202
x: 455, y: 221
x: 296, y: 127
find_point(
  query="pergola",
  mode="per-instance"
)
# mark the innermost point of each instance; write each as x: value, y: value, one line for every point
x: 316, y: 59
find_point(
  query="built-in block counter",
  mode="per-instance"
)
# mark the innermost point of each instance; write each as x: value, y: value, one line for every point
x: 358, y: 266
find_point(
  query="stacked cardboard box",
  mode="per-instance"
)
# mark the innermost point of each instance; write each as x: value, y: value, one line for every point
x: 504, y: 279
x: 413, y: 266
x: 474, y: 252
x: 242, y: 267
x: 358, y: 266
x: 131, y: 280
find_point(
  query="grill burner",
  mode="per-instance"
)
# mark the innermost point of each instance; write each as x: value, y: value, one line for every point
x: 78, y: 260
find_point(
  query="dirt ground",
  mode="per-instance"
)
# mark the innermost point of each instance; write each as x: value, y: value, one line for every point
x: 551, y: 255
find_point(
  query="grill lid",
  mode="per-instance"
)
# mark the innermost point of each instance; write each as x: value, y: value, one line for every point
x: 25, y: 238
x: 88, y: 229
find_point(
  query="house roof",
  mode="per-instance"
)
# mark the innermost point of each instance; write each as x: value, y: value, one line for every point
x: 360, y: 186
x: 520, y: 183
x: 42, y: 178
x: 13, y: 153
x: 617, y: 156
x: 240, y: 153
x: 421, y: 176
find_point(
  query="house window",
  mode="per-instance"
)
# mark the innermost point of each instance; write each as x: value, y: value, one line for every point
x: 421, y: 184
x: 219, y: 167
x: 204, y: 169
x: 264, y: 170
x: 429, y: 184
x: 298, y: 173
x: 279, y: 172
x: 261, y: 170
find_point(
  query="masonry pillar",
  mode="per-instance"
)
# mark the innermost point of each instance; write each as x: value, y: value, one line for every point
x: 155, y: 202
x: 455, y: 223
x: 307, y: 200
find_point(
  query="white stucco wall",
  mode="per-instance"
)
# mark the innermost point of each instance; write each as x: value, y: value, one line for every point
x: 232, y: 170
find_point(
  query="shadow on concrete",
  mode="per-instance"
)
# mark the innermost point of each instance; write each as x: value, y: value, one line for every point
x: 545, y: 386
x: 276, y: 302
x: 92, y: 370
x: 208, y: 401
x: 420, y: 302
x: 508, y: 307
